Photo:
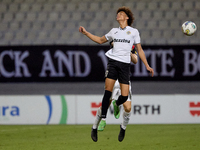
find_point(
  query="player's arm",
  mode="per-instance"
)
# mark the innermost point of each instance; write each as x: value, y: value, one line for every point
x: 94, y: 38
x: 134, y: 55
x: 143, y: 58
x: 134, y: 58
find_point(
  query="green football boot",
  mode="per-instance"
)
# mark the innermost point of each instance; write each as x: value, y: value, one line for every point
x: 102, y: 125
x: 116, y: 110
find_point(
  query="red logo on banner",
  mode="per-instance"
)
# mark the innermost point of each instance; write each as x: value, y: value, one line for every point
x: 195, y: 109
x: 96, y: 106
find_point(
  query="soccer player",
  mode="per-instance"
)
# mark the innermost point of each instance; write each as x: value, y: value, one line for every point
x: 127, y: 105
x: 119, y: 59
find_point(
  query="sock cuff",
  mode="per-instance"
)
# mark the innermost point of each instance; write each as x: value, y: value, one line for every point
x: 121, y: 100
x: 127, y: 113
x: 107, y: 93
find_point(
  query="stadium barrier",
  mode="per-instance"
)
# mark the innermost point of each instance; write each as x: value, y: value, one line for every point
x: 81, y: 109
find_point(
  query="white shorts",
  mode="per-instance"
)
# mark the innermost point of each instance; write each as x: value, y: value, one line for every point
x: 117, y: 92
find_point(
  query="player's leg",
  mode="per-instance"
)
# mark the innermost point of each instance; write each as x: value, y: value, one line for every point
x: 115, y: 94
x: 97, y: 118
x: 94, y: 127
x: 102, y: 124
x: 124, y: 78
x: 126, y: 117
x: 126, y: 114
x: 109, y: 83
x: 110, y: 78
x: 121, y: 99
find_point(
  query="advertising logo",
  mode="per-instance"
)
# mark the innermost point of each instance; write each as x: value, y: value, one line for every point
x: 8, y: 111
x: 63, y: 119
x: 94, y: 107
x: 146, y: 109
x: 195, y: 108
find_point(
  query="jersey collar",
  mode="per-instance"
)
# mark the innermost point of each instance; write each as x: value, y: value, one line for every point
x: 123, y: 28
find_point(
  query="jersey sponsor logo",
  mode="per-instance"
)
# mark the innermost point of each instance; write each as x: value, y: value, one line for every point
x: 121, y: 40
x: 195, y: 109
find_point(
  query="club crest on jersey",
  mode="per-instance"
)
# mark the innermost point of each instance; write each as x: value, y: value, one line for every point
x: 128, y: 32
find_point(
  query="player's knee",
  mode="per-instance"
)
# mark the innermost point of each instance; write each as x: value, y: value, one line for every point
x: 127, y: 109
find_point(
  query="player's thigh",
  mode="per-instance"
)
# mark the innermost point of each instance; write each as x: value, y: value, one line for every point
x: 127, y: 106
x: 124, y: 89
x: 109, y: 84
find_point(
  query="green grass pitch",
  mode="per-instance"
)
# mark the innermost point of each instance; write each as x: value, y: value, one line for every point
x: 77, y: 137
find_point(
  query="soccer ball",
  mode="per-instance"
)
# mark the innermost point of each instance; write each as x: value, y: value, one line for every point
x: 189, y: 28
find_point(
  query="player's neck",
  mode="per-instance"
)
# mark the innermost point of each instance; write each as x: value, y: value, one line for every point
x: 123, y: 24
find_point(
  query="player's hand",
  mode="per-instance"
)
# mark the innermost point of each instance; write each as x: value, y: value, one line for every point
x: 82, y: 30
x: 150, y: 70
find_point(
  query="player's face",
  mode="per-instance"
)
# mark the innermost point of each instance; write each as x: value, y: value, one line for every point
x: 121, y: 16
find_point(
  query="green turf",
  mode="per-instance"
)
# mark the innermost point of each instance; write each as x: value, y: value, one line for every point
x: 77, y: 137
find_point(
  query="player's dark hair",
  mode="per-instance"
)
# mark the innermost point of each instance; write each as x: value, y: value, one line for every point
x: 128, y: 13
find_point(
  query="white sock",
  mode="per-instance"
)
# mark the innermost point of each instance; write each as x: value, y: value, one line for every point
x: 126, y: 118
x: 97, y: 118
x: 104, y: 119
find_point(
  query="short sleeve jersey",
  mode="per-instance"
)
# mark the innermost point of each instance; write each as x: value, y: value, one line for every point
x: 123, y: 40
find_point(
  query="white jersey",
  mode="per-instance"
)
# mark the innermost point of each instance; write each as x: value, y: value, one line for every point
x: 123, y: 40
